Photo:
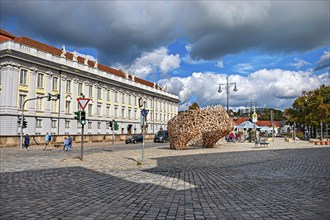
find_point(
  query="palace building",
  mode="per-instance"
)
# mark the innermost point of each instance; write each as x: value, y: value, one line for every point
x: 31, y: 69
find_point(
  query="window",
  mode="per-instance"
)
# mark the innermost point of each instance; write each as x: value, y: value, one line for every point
x: 123, y: 113
x: 123, y: 98
x: 107, y: 111
x: 68, y: 86
x: 130, y: 100
x: 40, y: 82
x: 54, y: 123
x: 22, y: 98
x: 116, y: 112
x: 54, y: 83
x: 80, y: 86
x: 89, y: 124
x: 38, y: 123
x: 129, y: 113
x: 90, y: 108
x: 99, y: 93
x: 90, y: 91
x: 135, y: 113
x: 54, y: 105
x: 67, y: 123
x: 99, y: 112
x: 23, y: 77
x: 99, y: 125
x: 108, y: 95
x: 116, y: 96
x: 67, y: 107
x: 39, y: 104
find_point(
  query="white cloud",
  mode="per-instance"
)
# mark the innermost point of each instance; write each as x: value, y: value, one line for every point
x: 298, y: 63
x: 220, y: 64
x: 157, y: 60
x: 324, y: 61
x: 271, y: 88
x: 244, y: 68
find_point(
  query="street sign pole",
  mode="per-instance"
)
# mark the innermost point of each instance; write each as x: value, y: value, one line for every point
x: 82, y: 143
x: 144, y: 129
x: 113, y: 135
x: 254, y: 120
x: 272, y: 120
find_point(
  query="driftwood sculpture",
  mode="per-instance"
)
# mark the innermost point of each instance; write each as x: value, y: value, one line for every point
x: 211, y: 124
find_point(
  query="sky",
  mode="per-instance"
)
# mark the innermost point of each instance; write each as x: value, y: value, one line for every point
x: 272, y: 50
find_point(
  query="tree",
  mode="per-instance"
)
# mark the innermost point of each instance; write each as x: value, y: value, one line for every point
x: 194, y: 106
x: 312, y: 108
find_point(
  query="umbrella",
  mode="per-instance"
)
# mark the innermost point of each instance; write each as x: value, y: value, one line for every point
x: 247, y: 125
x: 265, y: 128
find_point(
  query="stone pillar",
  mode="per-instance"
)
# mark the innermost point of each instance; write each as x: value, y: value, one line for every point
x: 9, y: 98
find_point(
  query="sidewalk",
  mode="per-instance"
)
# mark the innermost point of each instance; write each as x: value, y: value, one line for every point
x: 231, y: 181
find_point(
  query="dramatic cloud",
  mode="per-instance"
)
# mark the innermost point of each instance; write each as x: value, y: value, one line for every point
x: 122, y: 31
x: 271, y: 88
x: 158, y: 60
x: 324, y: 61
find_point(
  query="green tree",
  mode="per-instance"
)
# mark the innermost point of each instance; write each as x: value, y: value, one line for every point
x: 311, y: 108
x: 194, y: 106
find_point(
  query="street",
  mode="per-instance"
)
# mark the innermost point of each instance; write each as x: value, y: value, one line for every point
x: 231, y: 181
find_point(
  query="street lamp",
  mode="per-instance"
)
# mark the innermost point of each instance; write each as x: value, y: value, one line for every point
x: 227, y: 86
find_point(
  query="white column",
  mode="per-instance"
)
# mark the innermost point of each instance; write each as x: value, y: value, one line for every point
x: 9, y: 97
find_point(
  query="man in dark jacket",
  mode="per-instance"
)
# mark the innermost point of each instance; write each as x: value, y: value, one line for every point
x: 26, y: 142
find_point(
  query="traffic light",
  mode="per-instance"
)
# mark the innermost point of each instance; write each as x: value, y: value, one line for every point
x: 24, y: 123
x: 49, y: 97
x: 116, y: 126
x: 77, y: 117
x: 83, y: 117
x: 19, y: 120
x: 110, y: 125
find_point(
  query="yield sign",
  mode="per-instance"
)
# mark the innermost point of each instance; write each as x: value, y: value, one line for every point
x: 83, y: 102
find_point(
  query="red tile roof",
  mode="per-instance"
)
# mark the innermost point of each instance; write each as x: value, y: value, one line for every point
x: 259, y: 122
x: 4, y: 35
x: 55, y: 51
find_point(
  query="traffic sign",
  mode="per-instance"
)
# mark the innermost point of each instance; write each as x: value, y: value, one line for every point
x: 144, y: 112
x: 83, y: 102
x: 254, y: 117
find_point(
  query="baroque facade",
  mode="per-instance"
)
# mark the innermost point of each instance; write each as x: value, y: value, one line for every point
x: 31, y: 69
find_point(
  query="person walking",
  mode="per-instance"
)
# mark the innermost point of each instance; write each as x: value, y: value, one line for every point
x: 26, y: 142
x: 48, y: 140
x: 70, y: 143
x: 66, y: 144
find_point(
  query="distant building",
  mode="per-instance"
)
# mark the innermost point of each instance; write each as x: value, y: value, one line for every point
x: 30, y: 69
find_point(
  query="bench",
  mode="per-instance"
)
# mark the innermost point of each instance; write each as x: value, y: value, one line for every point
x: 263, y: 143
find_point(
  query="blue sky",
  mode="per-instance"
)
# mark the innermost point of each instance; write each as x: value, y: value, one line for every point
x: 273, y: 50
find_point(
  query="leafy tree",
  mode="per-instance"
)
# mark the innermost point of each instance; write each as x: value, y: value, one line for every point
x: 194, y: 106
x: 311, y: 108
x: 277, y: 115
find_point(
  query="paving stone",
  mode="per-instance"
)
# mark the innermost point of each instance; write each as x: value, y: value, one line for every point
x: 231, y: 181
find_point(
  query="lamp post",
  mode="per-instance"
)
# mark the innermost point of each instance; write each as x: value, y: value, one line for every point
x: 227, y: 85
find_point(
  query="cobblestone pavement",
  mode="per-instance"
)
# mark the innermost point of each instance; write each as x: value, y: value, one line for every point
x: 231, y: 181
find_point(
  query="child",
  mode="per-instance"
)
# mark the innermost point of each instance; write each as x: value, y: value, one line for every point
x: 70, y: 143
x: 66, y: 144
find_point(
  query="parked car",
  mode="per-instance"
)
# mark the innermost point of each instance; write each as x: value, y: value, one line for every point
x: 161, y: 136
x: 134, y: 139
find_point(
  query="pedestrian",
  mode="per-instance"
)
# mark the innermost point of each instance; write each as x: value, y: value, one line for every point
x: 26, y: 142
x: 48, y: 140
x: 70, y: 142
x: 66, y: 144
